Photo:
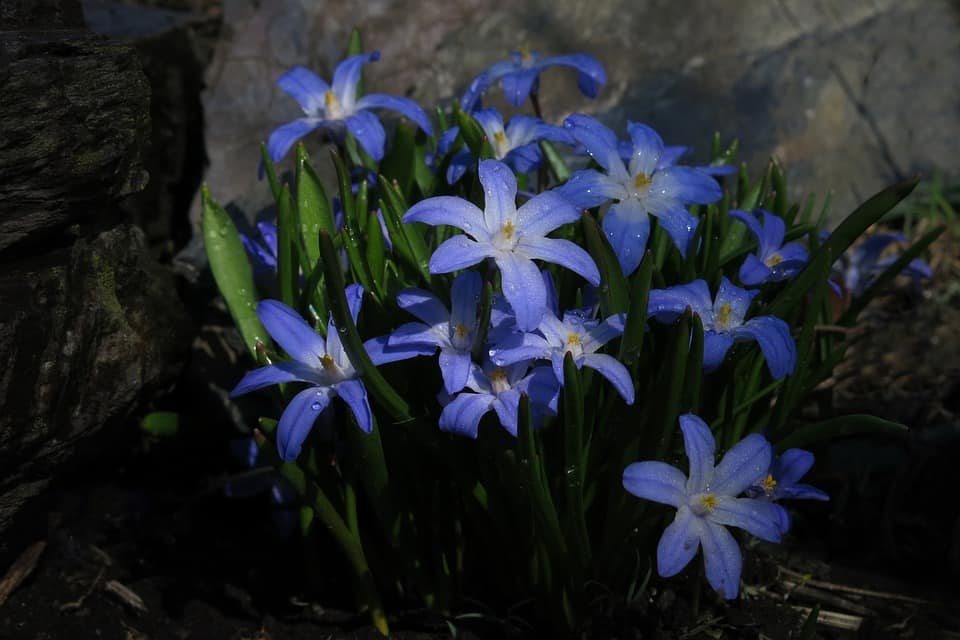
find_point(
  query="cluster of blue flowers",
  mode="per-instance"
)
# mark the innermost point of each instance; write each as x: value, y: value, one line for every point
x: 521, y: 351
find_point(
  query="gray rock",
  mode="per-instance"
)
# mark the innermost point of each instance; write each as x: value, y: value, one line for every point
x: 86, y: 332
x: 849, y: 96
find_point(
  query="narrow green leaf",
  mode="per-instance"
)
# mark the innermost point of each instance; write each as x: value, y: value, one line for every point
x: 671, y: 384
x: 162, y: 424
x: 414, y: 233
x: 473, y: 135
x: 636, y: 324
x: 288, y: 259
x: 399, y: 163
x: 313, y: 209
x: 351, y: 226
x: 355, y: 48
x: 613, y: 286
x: 375, y: 254
x: 852, y: 425
x: 270, y: 171
x: 376, y: 384
x: 573, y: 410
x: 558, y: 166
x: 231, y: 270
x: 690, y: 402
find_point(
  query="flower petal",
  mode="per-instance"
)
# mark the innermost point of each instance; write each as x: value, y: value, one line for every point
x: 774, y: 228
x: 455, y: 369
x: 721, y: 558
x: 459, y: 163
x: 749, y: 220
x: 680, y: 225
x: 590, y: 73
x: 561, y: 252
x: 656, y: 481
x: 715, y: 348
x: 519, y: 347
x: 354, y: 296
x: 285, y: 136
x: 754, y: 272
x: 499, y: 193
x: 306, y: 87
x: 455, y: 212
x: 298, y: 419
x: 792, y: 465
x: 687, y: 184
x: 458, y: 252
x: 522, y: 287
x: 667, y: 305
x: 545, y: 212
x: 600, y: 142
x: 404, y: 106
x: 773, y: 336
x: 700, y: 446
x: 589, y: 188
x: 366, y: 128
x: 346, y: 77
x: 355, y: 395
x: 382, y: 352
x: 646, y: 149
x: 507, y: 407
x: 464, y: 412
x: 611, y: 369
x: 679, y: 543
x: 291, y: 332
x: 280, y: 372
x: 760, y: 518
x: 738, y: 299
x: 518, y: 85
x: 424, y: 305
x: 744, y: 464
x: 483, y: 81
x: 627, y: 227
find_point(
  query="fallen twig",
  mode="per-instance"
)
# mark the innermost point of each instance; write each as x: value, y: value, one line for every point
x: 126, y: 595
x: 21, y: 569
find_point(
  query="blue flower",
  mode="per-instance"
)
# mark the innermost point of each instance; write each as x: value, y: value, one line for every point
x: 671, y: 156
x: 454, y: 331
x: 499, y: 389
x: 336, y: 109
x: 723, y: 323
x: 707, y: 503
x: 263, y: 256
x: 513, y: 237
x: 641, y: 188
x: 516, y: 144
x: 520, y: 76
x: 324, y: 365
x: 774, y: 261
x: 862, y: 263
x: 577, y: 335
x: 782, y: 480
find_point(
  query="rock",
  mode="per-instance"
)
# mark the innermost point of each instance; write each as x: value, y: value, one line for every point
x: 96, y: 328
x: 843, y: 94
x: 75, y: 113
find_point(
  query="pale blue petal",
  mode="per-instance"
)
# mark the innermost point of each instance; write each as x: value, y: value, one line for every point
x: 285, y: 136
x: 646, y: 149
x: 611, y: 369
x: 404, y: 106
x: 507, y: 407
x: 588, y: 188
x: 499, y: 193
x: 455, y: 212
x: 700, y: 446
x: 544, y: 390
x: 519, y: 347
x: 522, y: 287
x: 749, y: 220
x: 412, y: 333
x: 774, y: 230
x: 298, y: 419
x: 715, y: 348
x: 354, y: 295
x: 759, y: 518
x: 306, y: 87
x: 464, y: 299
x: 381, y: 352
x: 680, y: 225
x: 686, y: 184
x: 355, y: 395
x: 458, y: 252
x: 667, y: 305
x: 721, y: 558
x: 679, y: 543
x: 463, y: 414
x: 744, y: 464
x: 590, y: 73
x: 455, y: 369
x: 776, y: 343
x: 459, y: 163
x: 366, y: 128
x: 525, y: 158
x: 671, y: 155
x: 483, y: 81
x: 656, y: 481
x: 347, y: 76
x: 561, y: 252
x: 490, y: 121
x: 627, y: 227
x: 600, y: 142
x: 792, y: 465
x: 518, y: 85
x: 291, y: 332
x: 287, y: 371
x: 424, y: 305
x: 738, y: 299
x: 754, y: 272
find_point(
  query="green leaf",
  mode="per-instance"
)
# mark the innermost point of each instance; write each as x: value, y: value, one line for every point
x: 355, y: 48
x: 269, y: 170
x: 558, y: 167
x: 375, y: 254
x: 838, y: 242
x: 613, y: 286
x: 573, y: 410
x: 473, y: 135
x: 843, y: 426
x: 313, y: 209
x: 351, y: 233
x: 376, y: 384
x: 231, y: 270
x: 288, y: 259
x: 400, y: 161
x: 809, y: 629
x: 636, y: 324
x: 394, y: 205
x: 690, y: 401
x: 162, y: 424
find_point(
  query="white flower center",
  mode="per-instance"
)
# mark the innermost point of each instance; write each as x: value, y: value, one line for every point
x: 498, y: 381
x: 332, y: 108
x: 574, y: 344
x: 703, y: 503
x: 501, y: 146
x: 506, y: 239
x: 461, y: 337
x: 640, y: 185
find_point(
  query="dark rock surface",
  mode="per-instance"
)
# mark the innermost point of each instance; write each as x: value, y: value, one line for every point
x: 90, y: 324
x: 849, y: 96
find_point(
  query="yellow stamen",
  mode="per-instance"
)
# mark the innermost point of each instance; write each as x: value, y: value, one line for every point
x: 768, y: 484
x: 508, y: 229
x: 641, y: 181
x: 708, y: 502
x: 774, y: 260
x: 723, y: 317
x: 498, y: 376
x: 461, y: 330
x: 327, y: 362
x: 573, y: 339
x: 525, y: 54
x: 330, y: 100
x: 500, y: 137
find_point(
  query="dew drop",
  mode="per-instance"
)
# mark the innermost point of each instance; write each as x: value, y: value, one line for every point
x: 315, y: 406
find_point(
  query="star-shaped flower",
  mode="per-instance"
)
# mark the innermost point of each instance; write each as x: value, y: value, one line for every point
x: 773, y: 261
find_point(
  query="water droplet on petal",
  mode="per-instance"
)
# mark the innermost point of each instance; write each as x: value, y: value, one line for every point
x: 315, y: 406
